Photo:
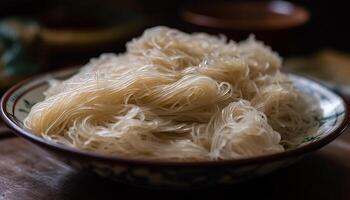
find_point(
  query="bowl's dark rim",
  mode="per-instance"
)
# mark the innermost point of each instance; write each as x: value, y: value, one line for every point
x: 72, y: 152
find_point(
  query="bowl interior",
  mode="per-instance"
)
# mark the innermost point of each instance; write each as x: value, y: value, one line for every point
x: 18, y: 101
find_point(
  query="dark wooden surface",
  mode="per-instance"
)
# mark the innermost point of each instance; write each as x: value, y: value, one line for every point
x: 28, y: 173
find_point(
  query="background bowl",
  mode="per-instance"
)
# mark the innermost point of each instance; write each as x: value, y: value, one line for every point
x: 17, y: 102
x: 276, y: 22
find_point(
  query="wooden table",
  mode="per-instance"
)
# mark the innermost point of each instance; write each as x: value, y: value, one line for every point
x: 27, y: 173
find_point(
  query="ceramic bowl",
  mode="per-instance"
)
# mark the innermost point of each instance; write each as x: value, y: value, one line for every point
x: 17, y: 102
x: 245, y: 15
x: 277, y: 23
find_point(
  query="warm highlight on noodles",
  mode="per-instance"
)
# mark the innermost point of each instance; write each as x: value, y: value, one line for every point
x: 177, y: 96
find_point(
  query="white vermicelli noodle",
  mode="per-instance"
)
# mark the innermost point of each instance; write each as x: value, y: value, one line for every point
x: 177, y: 96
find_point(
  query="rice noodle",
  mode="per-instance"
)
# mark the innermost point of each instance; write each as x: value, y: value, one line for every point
x: 177, y: 96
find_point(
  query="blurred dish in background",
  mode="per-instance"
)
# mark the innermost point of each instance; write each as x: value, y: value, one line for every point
x: 92, y: 27
x: 328, y: 66
x: 66, y: 34
x: 274, y: 22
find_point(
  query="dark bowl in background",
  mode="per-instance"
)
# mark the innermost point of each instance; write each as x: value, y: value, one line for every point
x: 277, y: 23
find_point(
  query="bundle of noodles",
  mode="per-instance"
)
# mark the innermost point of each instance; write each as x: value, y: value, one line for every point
x: 176, y: 96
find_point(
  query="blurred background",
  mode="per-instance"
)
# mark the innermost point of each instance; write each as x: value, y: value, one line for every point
x: 37, y: 36
x: 43, y: 35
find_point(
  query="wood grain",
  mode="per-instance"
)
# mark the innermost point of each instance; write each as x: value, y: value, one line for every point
x: 27, y: 173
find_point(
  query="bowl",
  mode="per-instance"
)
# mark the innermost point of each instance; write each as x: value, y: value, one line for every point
x: 277, y: 23
x: 245, y: 15
x: 17, y: 102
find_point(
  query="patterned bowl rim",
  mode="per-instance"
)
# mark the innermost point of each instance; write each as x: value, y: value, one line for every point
x: 80, y: 154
